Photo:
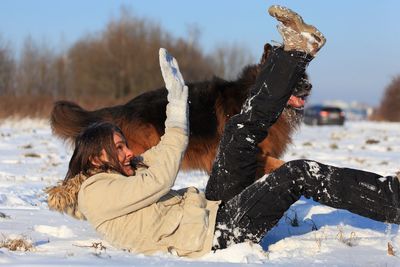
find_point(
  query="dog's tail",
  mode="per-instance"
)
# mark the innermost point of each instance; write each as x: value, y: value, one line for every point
x: 68, y: 119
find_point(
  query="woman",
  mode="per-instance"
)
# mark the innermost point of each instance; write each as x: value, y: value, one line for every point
x: 136, y: 209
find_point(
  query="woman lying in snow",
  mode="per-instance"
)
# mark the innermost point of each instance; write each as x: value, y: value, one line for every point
x: 135, y: 208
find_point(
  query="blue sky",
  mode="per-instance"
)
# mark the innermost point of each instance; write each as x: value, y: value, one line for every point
x: 360, y: 59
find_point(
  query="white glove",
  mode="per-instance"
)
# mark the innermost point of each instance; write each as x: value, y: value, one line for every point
x: 177, y: 108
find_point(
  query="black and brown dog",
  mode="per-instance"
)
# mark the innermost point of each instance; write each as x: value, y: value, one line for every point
x: 211, y: 104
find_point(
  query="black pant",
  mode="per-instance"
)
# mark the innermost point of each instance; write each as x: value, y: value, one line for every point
x: 235, y: 164
x: 250, y: 214
x: 250, y: 208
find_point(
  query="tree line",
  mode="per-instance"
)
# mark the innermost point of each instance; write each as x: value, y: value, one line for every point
x: 118, y: 63
x: 108, y: 67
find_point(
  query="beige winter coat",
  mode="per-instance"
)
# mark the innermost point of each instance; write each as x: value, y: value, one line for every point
x: 142, y: 214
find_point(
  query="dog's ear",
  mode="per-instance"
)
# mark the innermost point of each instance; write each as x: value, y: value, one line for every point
x: 267, y: 50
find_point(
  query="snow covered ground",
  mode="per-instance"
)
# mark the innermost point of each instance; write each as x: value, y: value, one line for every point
x: 32, y: 159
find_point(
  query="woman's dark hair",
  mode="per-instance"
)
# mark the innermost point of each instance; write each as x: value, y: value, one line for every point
x: 89, y: 145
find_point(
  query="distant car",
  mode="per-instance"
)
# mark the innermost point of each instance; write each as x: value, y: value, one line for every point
x: 323, y: 115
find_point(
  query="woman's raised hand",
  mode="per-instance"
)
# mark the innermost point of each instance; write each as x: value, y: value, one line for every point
x: 177, y: 108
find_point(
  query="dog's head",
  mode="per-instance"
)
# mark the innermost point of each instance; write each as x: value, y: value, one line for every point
x: 302, y: 89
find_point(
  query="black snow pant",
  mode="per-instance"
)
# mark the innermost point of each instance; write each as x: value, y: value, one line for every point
x: 250, y: 214
x: 250, y: 208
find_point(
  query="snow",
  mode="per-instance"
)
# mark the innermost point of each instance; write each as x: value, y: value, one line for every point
x: 309, y: 234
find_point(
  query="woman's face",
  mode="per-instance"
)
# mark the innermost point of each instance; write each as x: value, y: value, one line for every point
x: 124, y: 154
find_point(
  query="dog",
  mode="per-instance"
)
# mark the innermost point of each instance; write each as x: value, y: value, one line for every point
x: 211, y: 104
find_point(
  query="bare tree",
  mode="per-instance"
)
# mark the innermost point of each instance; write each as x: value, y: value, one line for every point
x: 123, y: 59
x: 34, y: 71
x: 229, y: 59
x: 7, y: 68
x: 389, y: 108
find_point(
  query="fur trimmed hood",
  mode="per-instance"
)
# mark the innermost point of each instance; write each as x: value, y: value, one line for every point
x: 64, y: 196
